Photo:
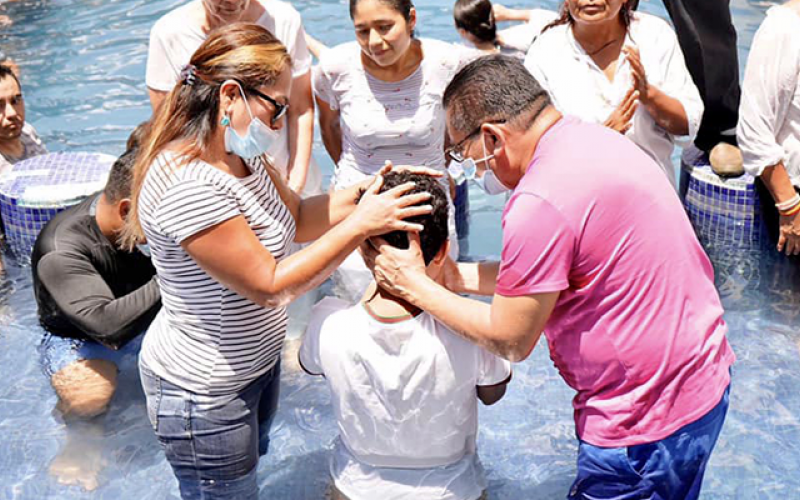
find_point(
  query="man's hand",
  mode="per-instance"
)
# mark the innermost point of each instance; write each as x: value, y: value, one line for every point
x: 620, y: 118
x: 789, y: 234
x: 396, y: 270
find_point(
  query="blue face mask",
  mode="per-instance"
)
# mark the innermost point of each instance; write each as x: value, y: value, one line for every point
x: 259, y: 139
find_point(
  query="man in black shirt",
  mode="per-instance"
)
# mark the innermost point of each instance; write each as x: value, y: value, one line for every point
x: 93, y: 298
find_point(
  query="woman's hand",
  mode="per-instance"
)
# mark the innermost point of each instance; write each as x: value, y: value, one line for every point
x: 381, y: 213
x: 789, y: 234
x: 620, y: 118
x: 389, y: 166
x: 638, y: 72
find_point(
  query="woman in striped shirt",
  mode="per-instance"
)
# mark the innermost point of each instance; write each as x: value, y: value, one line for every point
x: 219, y: 221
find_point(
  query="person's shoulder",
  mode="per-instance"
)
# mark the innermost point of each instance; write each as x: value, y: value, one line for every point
x: 649, y: 27
x: 548, y: 44
x: 175, y: 22
x: 281, y: 9
x: 340, y: 58
x: 329, y: 312
x: 781, y: 21
x: 69, y: 232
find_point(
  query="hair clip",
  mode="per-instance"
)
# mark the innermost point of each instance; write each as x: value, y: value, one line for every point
x: 188, y: 74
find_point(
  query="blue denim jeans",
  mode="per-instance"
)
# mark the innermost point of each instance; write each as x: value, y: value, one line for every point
x: 213, y: 442
x: 669, y: 469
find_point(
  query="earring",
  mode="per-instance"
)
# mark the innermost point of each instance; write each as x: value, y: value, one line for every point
x: 226, y: 120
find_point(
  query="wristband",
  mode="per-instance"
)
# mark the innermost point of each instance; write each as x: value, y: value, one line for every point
x: 791, y: 211
x: 788, y: 204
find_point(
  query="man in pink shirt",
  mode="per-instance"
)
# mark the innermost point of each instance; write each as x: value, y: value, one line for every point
x: 599, y: 255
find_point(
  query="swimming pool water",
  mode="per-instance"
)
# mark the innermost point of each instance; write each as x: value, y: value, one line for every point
x: 83, y: 71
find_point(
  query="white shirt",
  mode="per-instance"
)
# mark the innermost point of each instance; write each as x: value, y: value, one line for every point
x: 769, y: 114
x: 179, y: 33
x: 579, y: 87
x: 207, y: 338
x: 399, y: 121
x: 522, y: 36
x: 404, y: 394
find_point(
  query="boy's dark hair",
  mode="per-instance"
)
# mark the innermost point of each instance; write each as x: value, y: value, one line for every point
x: 434, y: 233
x: 120, y: 179
x: 6, y: 71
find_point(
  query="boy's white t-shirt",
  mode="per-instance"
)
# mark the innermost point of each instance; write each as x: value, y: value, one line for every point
x: 404, y: 394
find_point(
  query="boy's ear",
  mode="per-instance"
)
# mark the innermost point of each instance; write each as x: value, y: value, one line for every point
x: 442, y: 254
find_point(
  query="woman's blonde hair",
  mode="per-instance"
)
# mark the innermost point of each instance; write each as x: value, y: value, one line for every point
x: 247, y: 53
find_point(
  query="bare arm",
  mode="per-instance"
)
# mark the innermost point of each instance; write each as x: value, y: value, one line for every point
x: 777, y: 181
x: 330, y: 128
x: 509, y: 327
x: 156, y: 98
x: 232, y: 255
x: 667, y: 111
x: 502, y: 13
x: 301, y: 130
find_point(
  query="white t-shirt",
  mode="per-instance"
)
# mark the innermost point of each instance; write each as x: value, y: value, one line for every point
x: 399, y: 121
x: 178, y: 34
x: 769, y: 114
x: 404, y: 394
x: 207, y: 338
x: 579, y: 87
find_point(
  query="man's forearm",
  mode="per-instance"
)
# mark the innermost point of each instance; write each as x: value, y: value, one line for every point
x: 478, y: 278
x: 469, y: 318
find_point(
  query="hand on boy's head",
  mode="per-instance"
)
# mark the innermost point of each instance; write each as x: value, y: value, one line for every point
x: 413, y: 169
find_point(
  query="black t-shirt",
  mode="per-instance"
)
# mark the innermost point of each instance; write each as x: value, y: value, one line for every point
x: 86, y: 287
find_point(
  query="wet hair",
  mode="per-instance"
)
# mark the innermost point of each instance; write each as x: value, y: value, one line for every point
x: 434, y: 233
x: 565, y: 17
x: 6, y: 71
x: 244, y: 52
x: 476, y: 18
x: 402, y: 6
x: 494, y: 88
x: 118, y: 186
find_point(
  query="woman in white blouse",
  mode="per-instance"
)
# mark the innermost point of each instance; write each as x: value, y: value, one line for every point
x: 769, y: 121
x: 380, y: 99
x: 605, y: 63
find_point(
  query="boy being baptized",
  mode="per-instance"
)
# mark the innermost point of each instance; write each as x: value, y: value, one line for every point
x: 404, y: 387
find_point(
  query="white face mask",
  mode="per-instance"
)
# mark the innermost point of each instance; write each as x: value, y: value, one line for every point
x: 490, y: 183
x: 258, y: 140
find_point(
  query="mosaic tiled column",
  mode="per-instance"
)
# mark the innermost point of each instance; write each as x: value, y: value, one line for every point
x: 34, y: 190
x: 724, y: 212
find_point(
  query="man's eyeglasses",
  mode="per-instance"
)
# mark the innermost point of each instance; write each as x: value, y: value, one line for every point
x: 280, y: 108
x: 454, y: 152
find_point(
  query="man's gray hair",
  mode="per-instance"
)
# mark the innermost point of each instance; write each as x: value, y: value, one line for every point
x: 493, y: 88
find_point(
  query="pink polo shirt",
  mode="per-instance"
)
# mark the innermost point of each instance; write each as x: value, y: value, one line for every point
x: 637, y: 330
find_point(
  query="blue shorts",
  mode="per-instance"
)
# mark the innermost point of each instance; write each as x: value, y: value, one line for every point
x: 58, y: 352
x: 669, y: 469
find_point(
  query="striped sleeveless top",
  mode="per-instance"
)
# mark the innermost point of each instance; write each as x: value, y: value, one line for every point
x: 207, y: 338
